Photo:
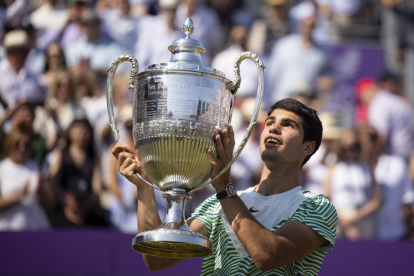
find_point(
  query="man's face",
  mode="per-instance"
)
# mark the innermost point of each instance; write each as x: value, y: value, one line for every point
x: 282, y: 138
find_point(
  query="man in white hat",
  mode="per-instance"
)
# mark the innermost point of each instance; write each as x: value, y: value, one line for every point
x: 16, y: 83
x: 296, y: 57
x: 157, y: 33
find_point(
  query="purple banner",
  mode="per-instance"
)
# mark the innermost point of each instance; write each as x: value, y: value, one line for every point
x: 95, y: 252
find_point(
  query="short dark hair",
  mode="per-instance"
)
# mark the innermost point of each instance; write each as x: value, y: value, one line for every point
x: 312, y: 126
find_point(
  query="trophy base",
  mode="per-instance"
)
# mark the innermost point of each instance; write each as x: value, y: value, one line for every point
x: 173, y: 243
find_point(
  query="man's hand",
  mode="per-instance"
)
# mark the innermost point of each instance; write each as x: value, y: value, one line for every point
x: 224, y: 147
x: 128, y: 165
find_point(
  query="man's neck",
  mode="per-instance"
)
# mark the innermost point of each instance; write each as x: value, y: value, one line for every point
x: 307, y: 41
x: 16, y: 66
x: 278, y: 179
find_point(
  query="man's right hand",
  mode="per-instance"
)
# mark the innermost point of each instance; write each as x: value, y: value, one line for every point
x: 128, y: 165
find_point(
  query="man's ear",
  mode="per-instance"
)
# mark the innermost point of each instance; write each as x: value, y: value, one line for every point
x: 309, y: 147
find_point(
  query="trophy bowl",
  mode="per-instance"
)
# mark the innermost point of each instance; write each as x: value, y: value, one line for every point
x: 177, y: 108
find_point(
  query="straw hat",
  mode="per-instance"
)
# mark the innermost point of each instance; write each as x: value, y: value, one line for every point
x: 168, y: 4
x: 276, y: 2
x: 331, y: 131
x: 16, y: 39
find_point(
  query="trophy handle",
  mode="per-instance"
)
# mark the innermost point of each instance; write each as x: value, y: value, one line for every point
x: 233, y: 87
x: 111, y: 74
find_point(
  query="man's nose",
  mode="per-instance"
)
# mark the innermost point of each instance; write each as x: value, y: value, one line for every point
x: 275, y: 128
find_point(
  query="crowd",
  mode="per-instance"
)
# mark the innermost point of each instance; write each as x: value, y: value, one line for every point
x: 56, y: 169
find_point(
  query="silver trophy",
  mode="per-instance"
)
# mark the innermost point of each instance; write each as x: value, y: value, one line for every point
x: 178, y: 107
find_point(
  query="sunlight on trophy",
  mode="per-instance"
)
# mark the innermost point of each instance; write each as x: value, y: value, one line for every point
x: 178, y: 107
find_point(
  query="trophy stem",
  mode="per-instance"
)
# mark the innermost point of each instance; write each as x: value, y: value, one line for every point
x: 173, y: 238
x: 175, y: 215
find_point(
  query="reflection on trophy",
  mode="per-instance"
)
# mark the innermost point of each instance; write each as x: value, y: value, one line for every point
x: 178, y: 107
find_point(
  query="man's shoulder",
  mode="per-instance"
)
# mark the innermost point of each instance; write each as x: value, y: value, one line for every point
x: 311, y: 201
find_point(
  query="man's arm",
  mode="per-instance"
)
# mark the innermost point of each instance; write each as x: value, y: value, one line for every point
x: 148, y: 217
x: 291, y: 242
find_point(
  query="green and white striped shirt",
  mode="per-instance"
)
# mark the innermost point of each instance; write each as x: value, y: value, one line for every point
x: 229, y: 256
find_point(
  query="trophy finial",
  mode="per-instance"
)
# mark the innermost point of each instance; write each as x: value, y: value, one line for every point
x: 188, y: 26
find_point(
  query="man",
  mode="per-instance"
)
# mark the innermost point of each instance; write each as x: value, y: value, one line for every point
x: 275, y: 226
x: 394, y: 218
x: 16, y: 83
x: 392, y: 116
x: 160, y: 28
x: 94, y: 48
x: 296, y: 58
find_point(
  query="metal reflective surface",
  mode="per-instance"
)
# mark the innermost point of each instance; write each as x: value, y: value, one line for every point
x: 178, y: 107
x: 174, y: 121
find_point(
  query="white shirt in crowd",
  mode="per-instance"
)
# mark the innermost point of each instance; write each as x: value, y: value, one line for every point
x: 18, y: 87
x: 291, y: 63
x: 27, y: 214
x: 391, y: 173
x: 47, y: 17
x: 392, y: 115
x: 350, y: 185
x: 224, y: 62
x: 154, y: 39
x: 100, y: 53
x: 124, y: 30
x: 207, y: 28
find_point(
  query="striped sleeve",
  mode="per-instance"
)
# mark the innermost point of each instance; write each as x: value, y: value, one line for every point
x: 319, y: 214
x: 204, y: 212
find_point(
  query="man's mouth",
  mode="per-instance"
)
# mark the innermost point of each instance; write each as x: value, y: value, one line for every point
x: 272, y: 141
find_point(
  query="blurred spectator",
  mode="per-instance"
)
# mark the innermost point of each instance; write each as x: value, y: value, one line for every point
x: 156, y: 34
x: 121, y: 26
x: 277, y: 24
x: 21, y: 185
x: 224, y: 61
x: 77, y: 162
x: 324, y: 33
x: 35, y: 62
x: 295, y: 58
x: 71, y: 30
x: 315, y: 170
x: 123, y: 198
x: 231, y: 13
x: 3, y: 11
x: 365, y: 90
x: 17, y: 84
x: 248, y: 166
x: 80, y: 207
x: 17, y: 13
x: 398, y: 39
x: 141, y: 7
x: 62, y: 104
x: 55, y: 62
x: 353, y: 190
x: 207, y: 26
x: 94, y: 48
x: 121, y: 97
x: 392, y: 117
x: 50, y: 14
x: 24, y: 113
x: 394, y: 218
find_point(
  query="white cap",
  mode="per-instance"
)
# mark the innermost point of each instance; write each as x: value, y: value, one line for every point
x: 168, y: 4
x: 302, y: 11
x: 16, y: 39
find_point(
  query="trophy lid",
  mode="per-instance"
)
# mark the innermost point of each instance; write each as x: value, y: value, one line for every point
x: 186, y: 54
x: 187, y: 44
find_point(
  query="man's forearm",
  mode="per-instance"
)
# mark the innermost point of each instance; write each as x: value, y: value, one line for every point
x: 148, y: 219
x: 256, y: 240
